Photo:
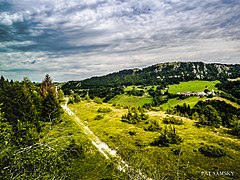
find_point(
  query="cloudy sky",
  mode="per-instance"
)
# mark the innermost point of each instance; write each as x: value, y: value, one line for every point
x: 76, y: 39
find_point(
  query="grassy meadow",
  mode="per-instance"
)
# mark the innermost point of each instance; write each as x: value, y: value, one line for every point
x: 190, y: 86
x: 128, y: 100
x: 193, y: 86
x: 133, y: 143
x: 191, y: 101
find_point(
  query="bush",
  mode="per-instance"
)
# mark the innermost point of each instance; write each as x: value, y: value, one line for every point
x: 104, y: 110
x: 98, y: 117
x: 132, y: 133
x: 135, y: 92
x: 73, y: 98
x: 172, y: 120
x: 134, y: 116
x: 168, y: 136
x: 147, y: 105
x: 212, y: 151
x: 154, y: 126
x: 235, y: 130
x: 97, y: 100
x: 73, y: 151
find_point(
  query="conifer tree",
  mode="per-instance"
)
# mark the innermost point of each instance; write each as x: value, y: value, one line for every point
x: 21, y: 113
x: 51, y: 109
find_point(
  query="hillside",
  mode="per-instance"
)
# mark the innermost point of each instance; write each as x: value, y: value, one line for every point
x: 169, y: 73
x: 148, y: 125
x: 183, y: 160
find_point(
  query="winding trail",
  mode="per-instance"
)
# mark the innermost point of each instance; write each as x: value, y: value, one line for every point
x: 104, y: 149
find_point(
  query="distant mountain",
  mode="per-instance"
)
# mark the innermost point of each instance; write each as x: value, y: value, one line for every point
x: 168, y: 73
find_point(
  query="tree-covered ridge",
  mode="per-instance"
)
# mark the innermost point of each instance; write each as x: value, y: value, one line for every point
x: 166, y: 72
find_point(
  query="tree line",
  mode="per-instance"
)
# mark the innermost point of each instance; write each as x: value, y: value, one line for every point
x: 213, y: 113
x: 170, y: 73
x: 24, y: 112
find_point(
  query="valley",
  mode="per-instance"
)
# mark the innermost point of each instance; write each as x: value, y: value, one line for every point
x: 133, y: 129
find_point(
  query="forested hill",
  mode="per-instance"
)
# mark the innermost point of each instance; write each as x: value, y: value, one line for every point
x: 170, y: 73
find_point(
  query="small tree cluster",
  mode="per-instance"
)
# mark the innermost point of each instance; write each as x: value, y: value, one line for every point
x: 98, y: 117
x: 135, y: 92
x: 153, y: 126
x: 73, y: 97
x: 134, y: 116
x: 212, y: 151
x: 168, y: 136
x: 26, y: 108
x: 172, y: 120
x: 104, y: 110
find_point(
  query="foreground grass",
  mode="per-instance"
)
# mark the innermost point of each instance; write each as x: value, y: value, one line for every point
x: 161, y: 162
x: 93, y: 165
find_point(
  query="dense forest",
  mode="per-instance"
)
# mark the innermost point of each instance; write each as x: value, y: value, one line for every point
x: 25, y: 111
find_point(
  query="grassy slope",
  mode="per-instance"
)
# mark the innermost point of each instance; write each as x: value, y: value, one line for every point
x: 129, y: 88
x: 173, y: 102
x: 160, y: 161
x: 191, y: 101
x: 127, y: 100
x: 192, y: 86
x: 93, y: 166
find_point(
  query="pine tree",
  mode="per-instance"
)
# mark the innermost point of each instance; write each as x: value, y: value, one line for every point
x: 51, y: 109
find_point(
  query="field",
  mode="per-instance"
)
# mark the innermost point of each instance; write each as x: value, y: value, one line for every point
x: 127, y: 100
x: 134, y: 143
x: 161, y: 162
x: 190, y: 86
x: 191, y: 101
x: 193, y: 86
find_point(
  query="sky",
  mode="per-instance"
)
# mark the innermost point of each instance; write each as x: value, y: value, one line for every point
x: 78, y: 39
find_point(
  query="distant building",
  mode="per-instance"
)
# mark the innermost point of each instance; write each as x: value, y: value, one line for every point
x: 197, y: 93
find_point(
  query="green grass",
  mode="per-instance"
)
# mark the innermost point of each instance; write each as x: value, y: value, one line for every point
x: 127, y: 100
x: 191, y: 101
x: 93, y: 165
x: 160, y: 162
x: 192, y: 86
x: 129, y: 88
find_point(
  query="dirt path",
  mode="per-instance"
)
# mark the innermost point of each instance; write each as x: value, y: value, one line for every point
x: 104, y: 149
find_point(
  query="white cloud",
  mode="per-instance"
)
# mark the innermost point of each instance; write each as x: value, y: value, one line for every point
x: 71, y: 34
